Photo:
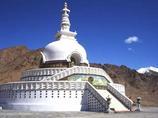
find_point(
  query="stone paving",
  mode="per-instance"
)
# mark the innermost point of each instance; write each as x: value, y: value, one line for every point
x: 148, y: 112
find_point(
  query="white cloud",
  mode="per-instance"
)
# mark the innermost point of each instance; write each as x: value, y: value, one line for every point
x: 132, y: 39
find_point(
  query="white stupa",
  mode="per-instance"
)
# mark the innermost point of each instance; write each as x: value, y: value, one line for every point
x: 64, y: 81
x: 65, y: 48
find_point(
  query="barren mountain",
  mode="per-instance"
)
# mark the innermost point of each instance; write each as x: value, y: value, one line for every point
x: 16, y: 59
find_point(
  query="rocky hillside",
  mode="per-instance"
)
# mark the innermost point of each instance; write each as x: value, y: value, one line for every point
x: 16, y: 59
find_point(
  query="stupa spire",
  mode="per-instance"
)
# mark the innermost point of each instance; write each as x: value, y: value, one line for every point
x: 65, y: 32
x: 65, y: 22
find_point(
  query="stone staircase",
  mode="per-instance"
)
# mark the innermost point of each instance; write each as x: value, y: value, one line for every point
x: 121, y: 97
x: 119, y: 102
x: 115, y: 103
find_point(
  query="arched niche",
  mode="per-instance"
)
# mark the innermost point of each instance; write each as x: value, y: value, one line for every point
x: 75, y: 59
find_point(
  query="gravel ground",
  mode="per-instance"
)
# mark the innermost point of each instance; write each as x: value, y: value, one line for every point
x: 147, y: 112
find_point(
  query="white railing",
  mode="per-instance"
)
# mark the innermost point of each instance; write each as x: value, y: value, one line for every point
x: 79, y: 70
x: 124, y: 99
x: 41, y: 72
x: 39, y: 85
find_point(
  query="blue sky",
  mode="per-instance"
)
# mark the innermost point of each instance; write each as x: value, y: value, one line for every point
x: 121, y: 32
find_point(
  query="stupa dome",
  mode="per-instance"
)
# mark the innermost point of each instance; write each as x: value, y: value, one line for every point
x: 65, y: 49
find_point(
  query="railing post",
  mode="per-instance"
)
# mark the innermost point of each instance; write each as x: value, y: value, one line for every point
x: 138, y: 104
x: 108, y: 104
